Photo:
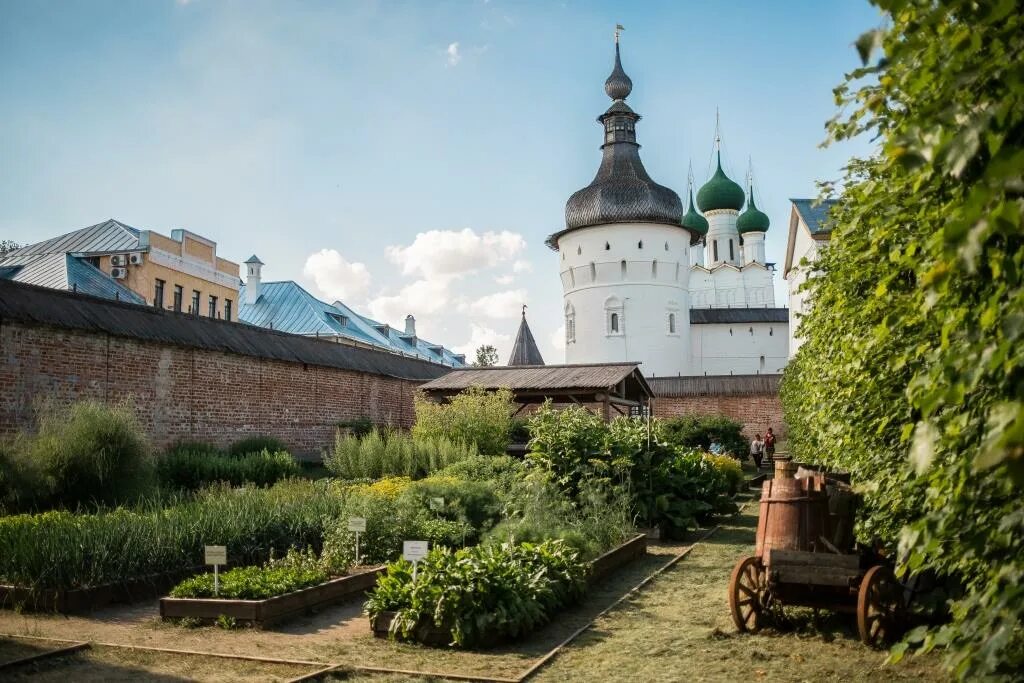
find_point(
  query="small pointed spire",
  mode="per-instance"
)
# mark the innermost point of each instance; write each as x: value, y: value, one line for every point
x: 524, y: 350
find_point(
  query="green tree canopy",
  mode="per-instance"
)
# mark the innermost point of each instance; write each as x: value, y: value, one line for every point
x: 912, y: 372
x: 486, y: 356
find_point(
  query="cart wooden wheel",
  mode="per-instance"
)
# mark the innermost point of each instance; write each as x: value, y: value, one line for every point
x: 879, y: 605
x: 748, y: 594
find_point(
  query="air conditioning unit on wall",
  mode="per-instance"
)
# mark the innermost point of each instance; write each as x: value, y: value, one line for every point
x: 135, y: 259
x: 118, y: 273
x: 117, y: 260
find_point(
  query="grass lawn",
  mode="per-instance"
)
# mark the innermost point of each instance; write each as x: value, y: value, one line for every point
x: 680, y: 628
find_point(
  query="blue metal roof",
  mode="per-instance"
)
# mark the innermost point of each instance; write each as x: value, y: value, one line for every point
x: 63, y: 271
x: 815, y: 214
x: 287, y: 307
x: 108, y: 236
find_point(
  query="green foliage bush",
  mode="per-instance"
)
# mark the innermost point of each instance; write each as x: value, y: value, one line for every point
x: 599, y: 518
x: 671, y: 487
x: 503, y: 472
x: 912, y: 369
x: 277, y: 577
x: 474, y: 416
x: 65, y: 550
x: 257, y: 444
x: 191, y: 470
x: 728, y: 467
x: 398, y: 509
x: 392, y: 453
x: 480, y: 594
x: 23, y: 483
x: 698, y: 431
x: 91, y: 454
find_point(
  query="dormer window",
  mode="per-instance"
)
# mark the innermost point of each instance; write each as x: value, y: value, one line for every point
x: 343, y: 319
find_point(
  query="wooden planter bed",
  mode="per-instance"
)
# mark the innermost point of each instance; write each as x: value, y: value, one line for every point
x: 79, y: 600
x: 600, y: 568
x: 262, y: 613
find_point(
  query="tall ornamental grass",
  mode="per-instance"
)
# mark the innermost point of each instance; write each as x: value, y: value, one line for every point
x: 63, y: 550
x: 185, y: 468
x: 393, y: 454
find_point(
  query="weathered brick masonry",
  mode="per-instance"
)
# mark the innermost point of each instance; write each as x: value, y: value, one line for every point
x: 192, y: 389
x: 750, y: 399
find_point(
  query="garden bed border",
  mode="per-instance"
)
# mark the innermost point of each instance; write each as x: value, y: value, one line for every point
x: 79, y: 600
x: 262, y: 613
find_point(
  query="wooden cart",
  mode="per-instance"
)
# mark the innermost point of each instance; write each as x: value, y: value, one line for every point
x: 805, y: 556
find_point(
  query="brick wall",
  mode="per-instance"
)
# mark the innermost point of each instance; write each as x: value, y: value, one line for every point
x: 186, y: 393
x: 757, y: 412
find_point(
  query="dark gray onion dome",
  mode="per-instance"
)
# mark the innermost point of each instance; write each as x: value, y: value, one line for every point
x: 618, y: 86
x: 621, y: 192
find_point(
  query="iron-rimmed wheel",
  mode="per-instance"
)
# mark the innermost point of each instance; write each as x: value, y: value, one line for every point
x: 879, y: 606
x: 748, y: 594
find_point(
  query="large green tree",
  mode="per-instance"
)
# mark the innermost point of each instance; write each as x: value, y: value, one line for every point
x: 912, y: 373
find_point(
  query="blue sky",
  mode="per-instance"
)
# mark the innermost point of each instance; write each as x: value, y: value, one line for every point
x: 405, y: 156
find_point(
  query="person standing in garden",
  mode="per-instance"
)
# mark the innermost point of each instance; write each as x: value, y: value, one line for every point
x: 769, y: 445
x: 757, y: 450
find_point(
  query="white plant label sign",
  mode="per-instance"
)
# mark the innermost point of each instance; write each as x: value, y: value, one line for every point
x: 216, y: 554
x: 357, y: 524
x: 414, y: 551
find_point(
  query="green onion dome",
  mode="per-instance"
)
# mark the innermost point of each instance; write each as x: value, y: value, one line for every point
x: 753, y: 219
x: 720, y: 192
x: 693, y: 221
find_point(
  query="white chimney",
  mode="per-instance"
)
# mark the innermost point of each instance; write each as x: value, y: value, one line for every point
x: 410, y: 325
x: 252, y: 279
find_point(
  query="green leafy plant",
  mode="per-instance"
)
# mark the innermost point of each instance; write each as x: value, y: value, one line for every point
x: 474, y: 416
x: 187, y: 469
x: 257, y: 444
x: 698, y: 431
x: 392, y: 453
x: 254, y: 583
x: 480, y: 594
x: 730, y: 469
x: 911, y: 371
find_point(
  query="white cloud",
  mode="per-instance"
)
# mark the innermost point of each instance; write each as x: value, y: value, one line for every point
x: 522, y: 266
x: 448, y: 253
x: 480, y: 335
x: 505, y: 280
x: 421, y: 298
x: 558, y: 339
x: 337, y: 278
x: 454, y: 57
x: 500, y: 305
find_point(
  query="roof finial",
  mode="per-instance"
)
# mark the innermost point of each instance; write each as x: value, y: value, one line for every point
x: 718, y: 132
x: 618, y: 29
x: 618, y: 86
x: 524, y: 310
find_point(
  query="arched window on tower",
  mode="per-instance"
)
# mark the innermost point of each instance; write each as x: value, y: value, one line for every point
x: 579, y: 250
x: 677, y: 271
x: 623, y: 266
x: 732, y: 254
x: 640, y: 244
x: 671, y: 323
x: 762, y: 362
x: 654, y: 269
x: 666, y: 246
x: 714, y: 250
x: 607, y: 246
x: 593, y: 272
x: 613, y: 315
x: 570, y: 323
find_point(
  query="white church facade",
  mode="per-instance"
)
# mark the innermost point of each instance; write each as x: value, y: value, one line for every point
x: 683, y: 293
